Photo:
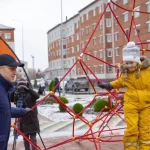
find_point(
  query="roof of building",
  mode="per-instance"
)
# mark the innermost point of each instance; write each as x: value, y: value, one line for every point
x: 72, y: 16
x: 3, y: 27
x: 88, y: 5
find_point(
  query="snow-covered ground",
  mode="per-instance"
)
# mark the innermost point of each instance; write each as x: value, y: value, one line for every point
x: 51, y: 111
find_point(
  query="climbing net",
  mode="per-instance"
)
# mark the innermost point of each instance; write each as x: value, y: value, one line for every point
x: 96, y: 137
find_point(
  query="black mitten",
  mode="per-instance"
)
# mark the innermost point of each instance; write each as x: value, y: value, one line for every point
x: 104, y: 85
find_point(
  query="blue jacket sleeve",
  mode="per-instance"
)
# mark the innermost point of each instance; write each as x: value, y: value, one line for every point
x: 18, y: 112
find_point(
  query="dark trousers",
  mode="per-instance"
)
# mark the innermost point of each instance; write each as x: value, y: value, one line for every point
x: 32, y: 137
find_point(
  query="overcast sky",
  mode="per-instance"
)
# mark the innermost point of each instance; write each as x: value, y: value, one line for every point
x: 38, y: 16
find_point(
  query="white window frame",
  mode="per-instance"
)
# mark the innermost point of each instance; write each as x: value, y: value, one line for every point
x: 87, y: 16
x: 77, y: 36
x: 72, y: 49
x: 87, y: 30
x: 137, y: 14
x: 101, y: 68
x: 109, y: 54
x: 94, y: 40
x: 125, y: 2
x: 94, y: 12
x: 116, y: 34
x: 100, y: 39
x: 125, y: 32
x: 77, y: 48
x: 137, y: 26
x: 125, y: 16
x: 148, y: 26
x: 82, y: 32
x: 101, y: 53
x: 95, y: 69
x: 148, y: 6
x: 82, y: 19
x: 109, y: 37
x: 7, y: 36
x: 101, y: 24
x: 95, y: 53
x: 110, y: 69
x: 148, y: 45
x: 117, y: 51
x: 108, y: 22
x: 88, y: 57
x: 94, y: 26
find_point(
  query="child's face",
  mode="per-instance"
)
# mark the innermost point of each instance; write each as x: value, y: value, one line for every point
x: 131, y: 65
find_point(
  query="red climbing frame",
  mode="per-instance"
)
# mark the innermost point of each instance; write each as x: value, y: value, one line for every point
x: 95, y: 137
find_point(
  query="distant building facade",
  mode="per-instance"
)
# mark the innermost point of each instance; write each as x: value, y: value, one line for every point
x: 106, y: 43
x: 7, y: 34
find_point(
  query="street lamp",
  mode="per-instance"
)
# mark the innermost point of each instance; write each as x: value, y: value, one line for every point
x: 33, y: 65
x: 62, y: 59
x: 22, y: 37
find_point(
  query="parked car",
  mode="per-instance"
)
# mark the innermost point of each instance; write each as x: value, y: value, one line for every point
x: 77, y: 84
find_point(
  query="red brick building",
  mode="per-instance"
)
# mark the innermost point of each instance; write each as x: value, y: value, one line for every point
x: 7, y: 34
x: 107, y: 41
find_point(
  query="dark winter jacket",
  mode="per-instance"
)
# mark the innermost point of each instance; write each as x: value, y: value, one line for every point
x: 30, y: 123
x: 6, y: 112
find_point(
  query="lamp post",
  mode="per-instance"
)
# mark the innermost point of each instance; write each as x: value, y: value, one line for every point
x: 33, y: 66
x: 61, y: 39
x: 22, y: 37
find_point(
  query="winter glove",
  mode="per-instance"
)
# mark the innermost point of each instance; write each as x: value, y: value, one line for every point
x: 104, y: 85
x: 29, y: 111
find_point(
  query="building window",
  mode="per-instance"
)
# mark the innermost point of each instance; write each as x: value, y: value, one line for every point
x: 77, y: 25
x: 107, y: 9
x: 148, y: 45
x: 89, y: 70
x: 82, y: 45
x: 82, y: 19
x: 117, y: 51
x: 95, y: 69
x: 100, y: 8
x: 101, y: 53
x: 109, y: 52
x: 82, y: 32
x: 94, y: 13
x: 7, y: 36
x: 87, y: 30
x: 148, y: 6
x: 88, y: 57
x: 72, y: 39
x: 87, y: 16
x: 108, y: 22
x: 78, y: 71
x: 77, y: 37
x: 125, y: 16
x: 93, y: 26
x: 100, y: 39
x: 137, y: 30
x: 109, y: 37
x: 101, y: 69
x: 77, y: 48
x: 116, y: 36
x: 110, y: 69
x: 95, y: 53
x: 115, y: 7
x: 126, y: 32
x: 101, y: 24
x: 137, y: 14
x: 125, y: 2
x: 148, y: 26
x: 115, y: 20
x: 72, y: 49
x: 94, y: 41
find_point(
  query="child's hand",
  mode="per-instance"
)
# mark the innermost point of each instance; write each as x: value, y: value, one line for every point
x: 104, y: 85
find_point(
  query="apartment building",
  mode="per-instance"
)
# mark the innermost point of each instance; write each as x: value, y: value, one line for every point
x: 7, y: 33
x: 106, y: 43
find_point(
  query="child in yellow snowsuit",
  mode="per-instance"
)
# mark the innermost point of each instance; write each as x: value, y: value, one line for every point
x: 135, y: 76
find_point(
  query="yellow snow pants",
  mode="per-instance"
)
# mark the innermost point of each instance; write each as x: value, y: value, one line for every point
x: 137, y: 133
